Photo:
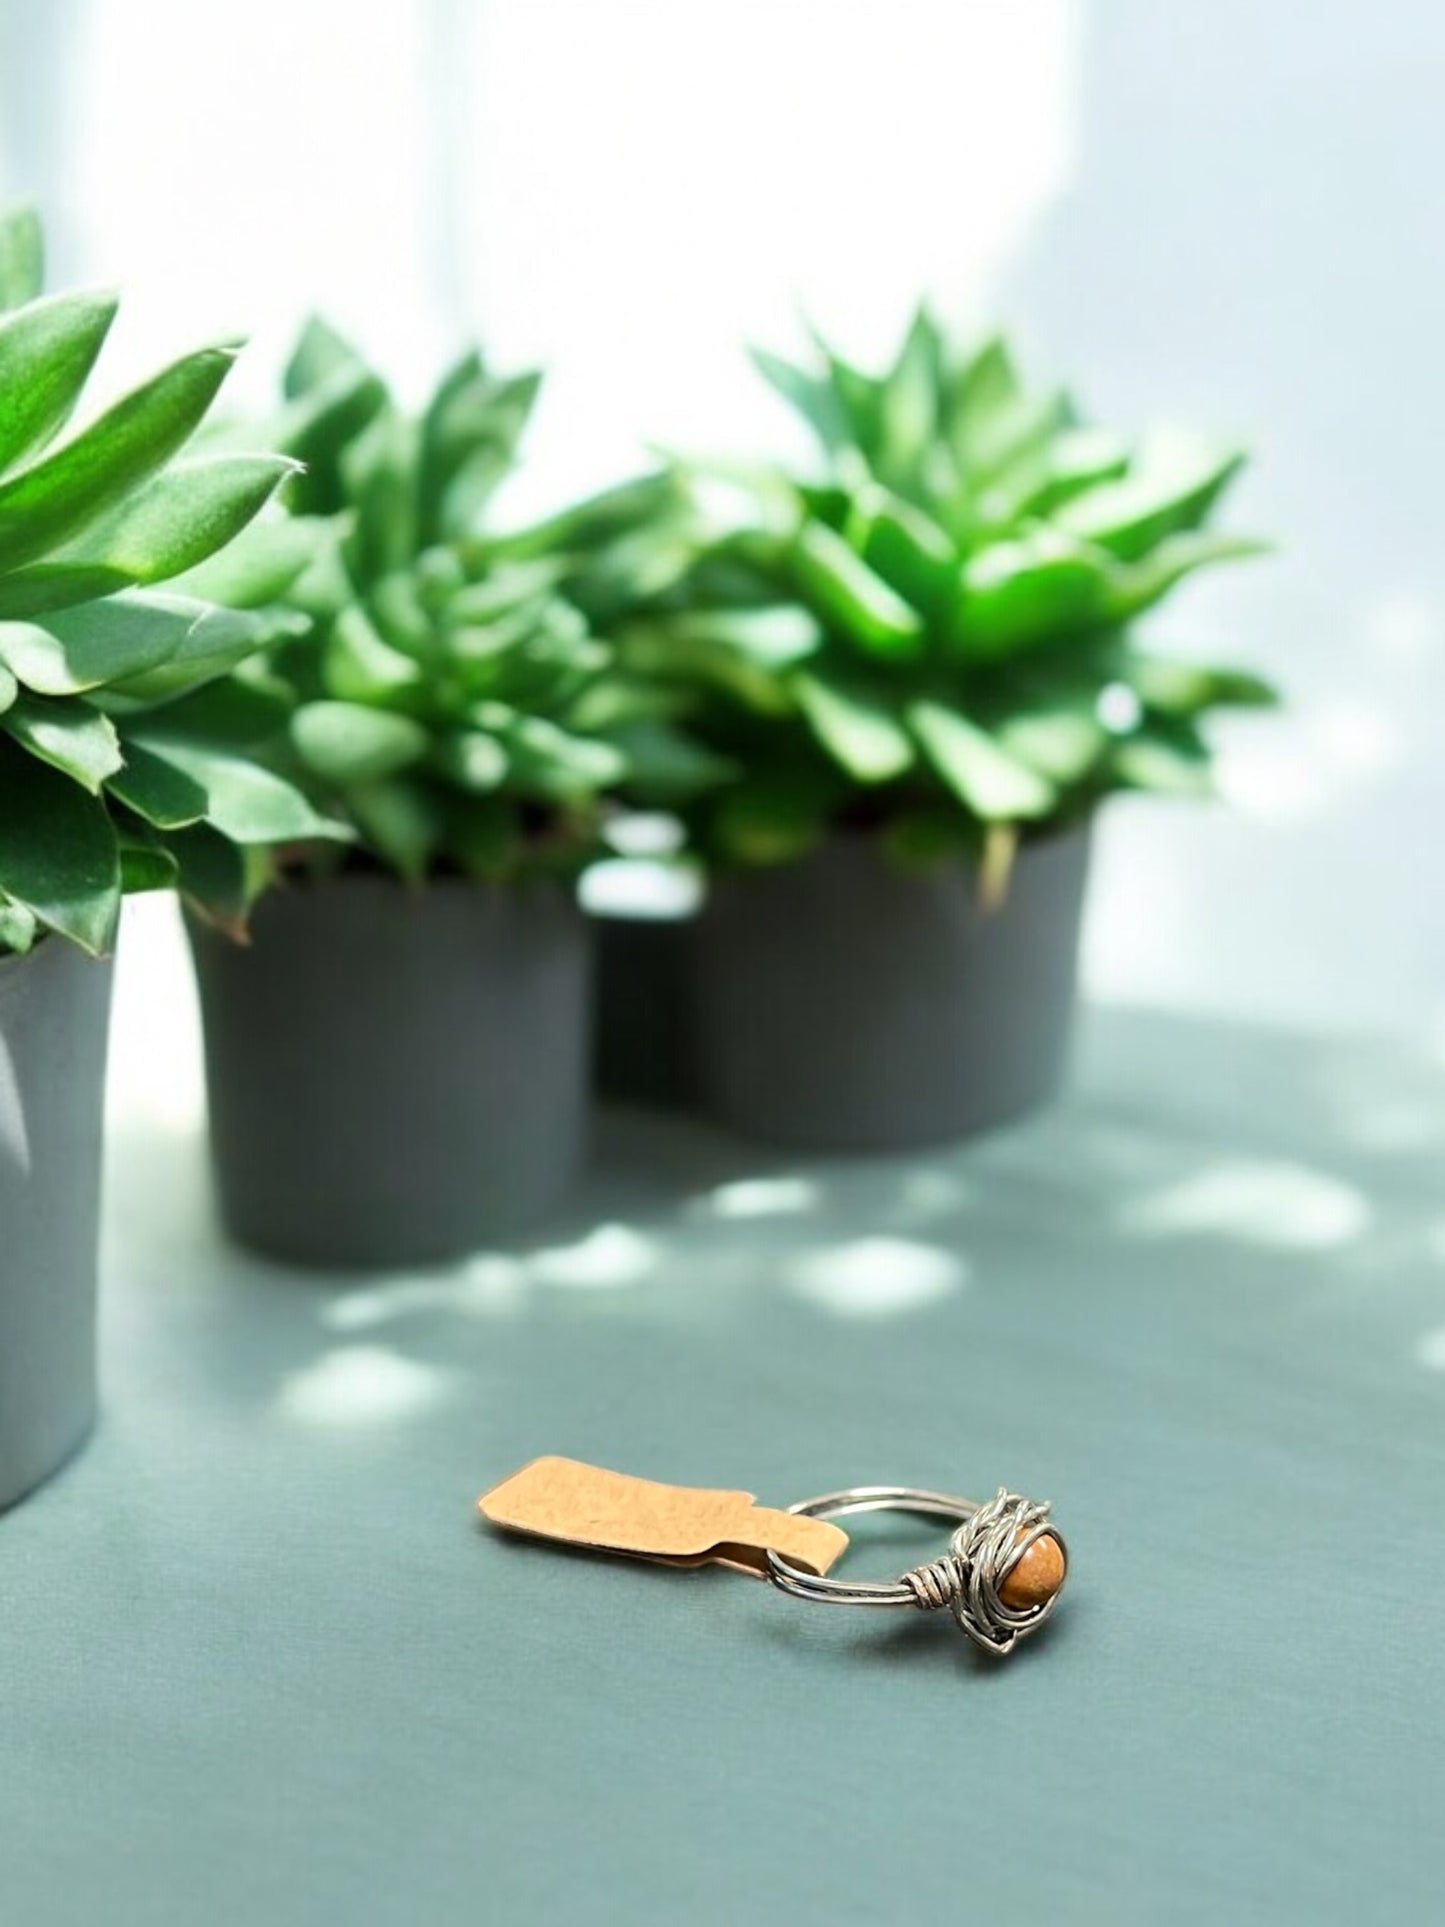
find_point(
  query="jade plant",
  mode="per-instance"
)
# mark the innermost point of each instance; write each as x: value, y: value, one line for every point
x: 110, y: 779
x: 451, y: 697
x: 933, y: 634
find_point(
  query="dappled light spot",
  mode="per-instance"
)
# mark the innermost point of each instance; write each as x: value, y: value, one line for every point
x: 640, y: 888
x: 1431, y: 1350
x: 359, y: 1385
x: 484, y: 1286
x: 876, y: 1277
x: 778, y: 1197
x: 612, y: 1255
x: 1262, y: 1202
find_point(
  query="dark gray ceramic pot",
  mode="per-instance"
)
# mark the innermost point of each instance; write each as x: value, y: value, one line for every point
x: 643, y: 1049
x: 395, y: 1075
x: 54, y: 1021
x: 841, y: 1003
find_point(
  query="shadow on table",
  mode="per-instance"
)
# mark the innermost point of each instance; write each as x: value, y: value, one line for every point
x: 1306, y: 1161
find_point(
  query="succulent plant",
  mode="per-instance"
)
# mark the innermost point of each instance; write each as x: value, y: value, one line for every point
x: 450, y: 697
x: 105, y: 784
x: 933, y: 635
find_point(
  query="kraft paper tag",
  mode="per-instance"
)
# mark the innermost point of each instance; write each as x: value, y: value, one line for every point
x: 676, y: 1525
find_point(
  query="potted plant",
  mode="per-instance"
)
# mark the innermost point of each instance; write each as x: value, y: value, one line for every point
x: 107, y: 784
x: 921, y: 662
x: 397, y: 1061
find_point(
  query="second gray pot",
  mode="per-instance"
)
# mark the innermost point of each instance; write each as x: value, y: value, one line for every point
x: 841, y: 1003
x: 54, y: 1019
x: 395, y: 1075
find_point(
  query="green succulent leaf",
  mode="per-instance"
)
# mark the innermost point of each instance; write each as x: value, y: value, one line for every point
x: 1187, y: 689
x: 360, y: 666
x: 1030, y: 591
x: 854, y: 725
x: 262, y: 563
x: 180, y: 517
x: 1167, y: 755
x: 145, y: 861
x: 996, y: 786
x: 47, y: 350
x: 97, y: 469
x: 472, y: 758
x: 1170, y: 488
x: 401, y: 821
x: 58, y: 854
x: 813, y: 398
x: 156, y: 790
x: 213, y: 877
x: 22, y: 258
x: 1137, y: 586
x: 843, y: 590
x: 68, y: 734
x: 245, y: 803
x: 9, y: 688
x: 772, y: 816
x: 19, y: 927
x: 348, y: 743
x: 1064, y: 744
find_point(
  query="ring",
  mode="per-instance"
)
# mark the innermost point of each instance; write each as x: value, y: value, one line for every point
x: 1001, y: 1576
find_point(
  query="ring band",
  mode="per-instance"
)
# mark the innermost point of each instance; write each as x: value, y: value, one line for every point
x: 1001, y: 1576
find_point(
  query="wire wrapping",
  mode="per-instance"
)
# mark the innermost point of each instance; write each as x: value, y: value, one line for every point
x: 982, y: 1553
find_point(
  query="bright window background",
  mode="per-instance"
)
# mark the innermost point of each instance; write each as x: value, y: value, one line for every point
x: 1219, y: 214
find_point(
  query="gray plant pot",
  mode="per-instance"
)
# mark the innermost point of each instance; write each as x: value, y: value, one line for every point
x: 395, y: 1075
x: 841, y: 1003
x: 643, y: 1048
x: 54, y: 1022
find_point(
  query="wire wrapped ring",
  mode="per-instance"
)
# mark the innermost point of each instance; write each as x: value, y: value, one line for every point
x: 1001, y: 1576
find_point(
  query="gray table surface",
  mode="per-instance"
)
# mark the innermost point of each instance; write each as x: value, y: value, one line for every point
x: 261, y: 1665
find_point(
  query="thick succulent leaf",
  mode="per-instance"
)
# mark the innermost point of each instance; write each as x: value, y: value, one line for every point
x: 401, y: 822
x: 1075, y: 459
x: 348, y: 743
x: 47, y: 350
x: 319, y: 425
x: 379, y: 472
x: 773, y: 638
x: 468, y: 443
x: 909, y: 550
x: 471, y: 758
x: 1064, y: 744
x: 361, y: 666
x: 45, y: 586
x: 216, y: 641
x: 484, y: 835
x: 1172, y: 485
x: 1139, y: 585
x: 58, y: 496
x: 1187, y: 689
x: 99, y: 643
x: 846, y: 593
x: 262, y: 563
x: 812, y: 397
x: 244, y: 802
x: 69, y: 734
x: 22, y: 258
x: 663, y: 764
x: 157, y: 790
x: 58, y: 854
x: 180, y: 517
x: 1166, y: 754
x: 244, y: 711
x: 997, y: 787
x: 673, y: 653
x: 19, y: 927
x: 1031, y: 591
x: 910, y: 402
x: 213, y: 877
x: 145, y: 861
x: 773, y: 816
x: 585, y: 526
x: 320, y: 356
x: 859, y: 398
x: 9, y: 688
x: 550, y: 762
x: 855, y: 726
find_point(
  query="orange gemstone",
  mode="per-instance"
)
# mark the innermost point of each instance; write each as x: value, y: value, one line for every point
x: 1036, y: 1577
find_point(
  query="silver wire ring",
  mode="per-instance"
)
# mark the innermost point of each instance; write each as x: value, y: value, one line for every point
x: 988, y: 1542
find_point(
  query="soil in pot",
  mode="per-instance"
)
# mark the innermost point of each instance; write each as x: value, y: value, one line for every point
x: 844, y: 1003
x: 54, y: 1024
x: 395, y: 1075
